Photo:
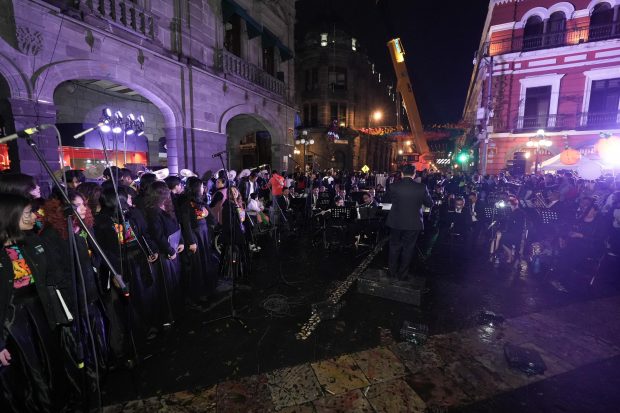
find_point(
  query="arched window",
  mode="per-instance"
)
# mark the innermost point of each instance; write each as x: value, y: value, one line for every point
x: 601, y: 22
x: 555, y: 29
x: 533, y: 33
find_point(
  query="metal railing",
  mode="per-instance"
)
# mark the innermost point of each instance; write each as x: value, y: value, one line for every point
x: 575, y: 35
x: 123, y: 13
x: 598, y: 119
x: 236, y: 66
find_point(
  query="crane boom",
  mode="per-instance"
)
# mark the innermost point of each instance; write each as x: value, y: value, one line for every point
x: 403, y: 85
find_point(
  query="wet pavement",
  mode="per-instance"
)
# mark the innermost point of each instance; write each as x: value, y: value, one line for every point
x: 357, y: 362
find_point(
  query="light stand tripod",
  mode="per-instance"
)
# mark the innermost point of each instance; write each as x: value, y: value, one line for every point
x: 233, y: 257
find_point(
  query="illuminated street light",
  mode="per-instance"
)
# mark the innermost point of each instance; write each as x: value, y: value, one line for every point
x: 400, y: 151
x: 377, y: 115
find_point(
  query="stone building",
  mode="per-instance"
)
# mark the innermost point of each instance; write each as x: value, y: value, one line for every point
x: 205, y: 75
x: 339, y: 90
x: 545, y: 67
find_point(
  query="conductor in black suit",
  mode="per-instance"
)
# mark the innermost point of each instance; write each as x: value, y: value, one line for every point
x: 405, y: 220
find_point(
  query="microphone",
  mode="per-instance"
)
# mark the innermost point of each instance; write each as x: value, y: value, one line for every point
x: 24, y: 133
x: 220, y: 153
x: 89, y: 130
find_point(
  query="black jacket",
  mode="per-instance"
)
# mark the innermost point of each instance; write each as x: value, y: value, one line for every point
x: 47, y: 279
x: 408, y: 197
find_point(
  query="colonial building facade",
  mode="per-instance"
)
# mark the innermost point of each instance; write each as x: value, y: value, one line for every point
x: 339, y: 92
x: 203, y: 73
x: 545, y: 66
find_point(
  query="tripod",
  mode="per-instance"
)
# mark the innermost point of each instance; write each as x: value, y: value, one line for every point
x: 233, y: 261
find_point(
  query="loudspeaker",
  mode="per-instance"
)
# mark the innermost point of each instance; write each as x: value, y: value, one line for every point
x: 518, y: 167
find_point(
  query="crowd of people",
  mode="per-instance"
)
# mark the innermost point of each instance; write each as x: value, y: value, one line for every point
x: 68, y: 320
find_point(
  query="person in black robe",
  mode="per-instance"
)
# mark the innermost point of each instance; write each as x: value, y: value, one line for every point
x: 202, y: 266
x: 166, y: 235
x: 87, y: 341
x: 32, y: 375
x: 124, y: 238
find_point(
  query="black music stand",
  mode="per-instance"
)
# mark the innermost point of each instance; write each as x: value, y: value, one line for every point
x: 548, y: 217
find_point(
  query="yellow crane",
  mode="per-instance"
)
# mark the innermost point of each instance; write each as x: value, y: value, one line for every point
x: 403, y: 85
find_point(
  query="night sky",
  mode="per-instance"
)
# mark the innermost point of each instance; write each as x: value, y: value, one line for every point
x: 440, y: 43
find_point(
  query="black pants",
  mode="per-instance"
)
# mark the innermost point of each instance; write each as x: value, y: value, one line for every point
x: 402, y: 248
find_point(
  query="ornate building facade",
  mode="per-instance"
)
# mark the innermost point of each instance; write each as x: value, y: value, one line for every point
x: 545, y: 67
x: 204, y: 74
x: 339, y: 92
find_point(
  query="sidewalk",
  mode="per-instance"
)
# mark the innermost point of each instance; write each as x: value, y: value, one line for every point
x: 450, y: 370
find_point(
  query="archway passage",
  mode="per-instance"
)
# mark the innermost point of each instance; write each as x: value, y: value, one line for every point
x: 80, y: 104
x: 249, y: 143
x: 6, y: 124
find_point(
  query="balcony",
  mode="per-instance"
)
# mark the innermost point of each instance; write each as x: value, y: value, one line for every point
x: 239, y: 68
x: 598, y: 120
x: 572, y: 36
x: 123, y: 14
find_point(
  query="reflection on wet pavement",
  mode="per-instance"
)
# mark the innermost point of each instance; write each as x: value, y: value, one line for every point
x: 450, y: 370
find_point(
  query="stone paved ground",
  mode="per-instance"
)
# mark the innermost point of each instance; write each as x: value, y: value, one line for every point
x: 452, y: 371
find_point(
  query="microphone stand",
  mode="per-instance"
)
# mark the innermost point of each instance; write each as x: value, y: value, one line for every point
x: 122, y: 248
x: 117, y: 277
x: 233, y: 264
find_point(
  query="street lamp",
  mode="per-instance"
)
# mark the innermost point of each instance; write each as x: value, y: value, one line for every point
x: 305, y: 142
x: 377, y: 115
x: 537, y: 142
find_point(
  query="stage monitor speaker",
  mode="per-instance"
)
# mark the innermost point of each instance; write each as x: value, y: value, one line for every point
x: 518, y: 167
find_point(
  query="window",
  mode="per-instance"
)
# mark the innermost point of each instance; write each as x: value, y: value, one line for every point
x: 269, y: 60
x: 324, y: 39
x: 315, y: 78
x: 555, y: 29
x: 306, y: 115
x: 232, y: 37
x: 333, y: 112
x: 338, y: 113
x: 342, y: 115
x: 601, y: 21
x: 312, y: 79
x: 533, y: 33
x: 537, y: 104
x: 354, y: 44
x: 337, y: 78
x: 314, y: 115
x: 604, y: 102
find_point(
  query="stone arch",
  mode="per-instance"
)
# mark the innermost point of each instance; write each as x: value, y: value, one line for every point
x: 246, y: 109
x: 594, y: 3
x: 564, y: 7
x: 16, y: 80
x: 522, y: 147
x: 536, y: 11
x: 247, y: 129
x: 90, y: 69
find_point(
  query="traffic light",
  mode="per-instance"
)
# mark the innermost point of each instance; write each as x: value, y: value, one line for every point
x: 463, y: 157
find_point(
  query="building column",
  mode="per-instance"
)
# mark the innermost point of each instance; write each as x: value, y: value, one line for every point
x: 27, y: 114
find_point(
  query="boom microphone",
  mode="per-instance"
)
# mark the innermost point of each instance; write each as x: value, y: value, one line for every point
x: 24, y: 133
x: 220, y: 153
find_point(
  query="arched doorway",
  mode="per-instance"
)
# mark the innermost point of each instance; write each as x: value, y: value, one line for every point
x: 249, y: 142
x: 6, y: 124
x: 80, y: 104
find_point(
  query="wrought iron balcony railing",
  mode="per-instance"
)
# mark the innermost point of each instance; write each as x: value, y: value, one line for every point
x: 599, y: 119
x: 571, y: 36
x: 123, y: 13
x: 238, y: 67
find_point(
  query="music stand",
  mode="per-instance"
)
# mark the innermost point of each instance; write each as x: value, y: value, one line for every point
x: 548, y: 217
